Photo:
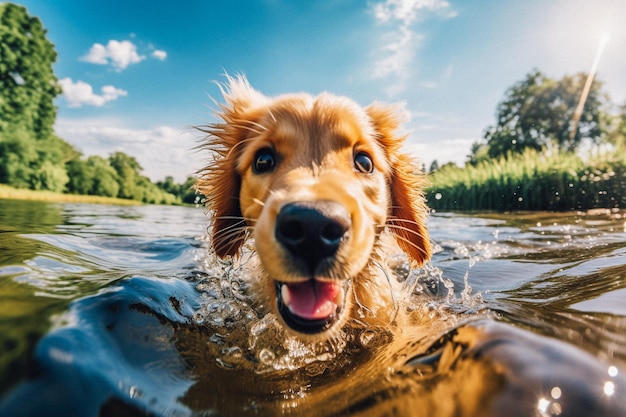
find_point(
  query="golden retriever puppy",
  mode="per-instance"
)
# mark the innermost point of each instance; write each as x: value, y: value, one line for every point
x: 317, y: 183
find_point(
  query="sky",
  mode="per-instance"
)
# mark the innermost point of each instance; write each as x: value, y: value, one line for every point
x: 138, y: 75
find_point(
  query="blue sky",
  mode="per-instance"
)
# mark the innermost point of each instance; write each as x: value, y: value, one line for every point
x: 138, y: 74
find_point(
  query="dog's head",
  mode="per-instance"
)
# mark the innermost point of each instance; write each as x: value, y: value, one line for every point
x: 315, y: 181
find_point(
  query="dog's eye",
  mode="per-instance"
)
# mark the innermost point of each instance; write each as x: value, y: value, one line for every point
x: 363, y: 163
x: 264, y: 161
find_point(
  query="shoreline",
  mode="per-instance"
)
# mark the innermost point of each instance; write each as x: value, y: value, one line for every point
x: 10, y: 193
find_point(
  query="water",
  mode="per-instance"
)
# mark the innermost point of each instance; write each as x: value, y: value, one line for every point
x: 115, y: 311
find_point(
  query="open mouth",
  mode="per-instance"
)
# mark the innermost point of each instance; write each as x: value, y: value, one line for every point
x: 310, y: 306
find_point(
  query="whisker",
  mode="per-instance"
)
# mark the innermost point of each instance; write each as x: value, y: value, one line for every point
x: 358, y: 302
x: 269, y: 110
x: 259, y: 202
x: 394, y: 300
x: 241, y: 224
x: 259, y: 125
x: 235, y: 146
x: 403, y: 228
x: 419, y: 248
x: 241, y: 218
x: 392, y: 219
x: 397, y: 224
x: 249, y: 128
x: 231, y: 231
x: 224, y: 234
x: 229, y: 244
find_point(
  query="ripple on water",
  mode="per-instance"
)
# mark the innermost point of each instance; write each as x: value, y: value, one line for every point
x: 136, y: 341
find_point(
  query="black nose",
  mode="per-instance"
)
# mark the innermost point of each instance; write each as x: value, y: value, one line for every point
x: 312, y: 231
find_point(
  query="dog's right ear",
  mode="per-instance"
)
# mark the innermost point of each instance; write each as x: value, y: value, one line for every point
x: 408, y: 212
x: 219, y: 181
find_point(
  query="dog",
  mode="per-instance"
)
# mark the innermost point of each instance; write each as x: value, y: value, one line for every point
x: 320, y: 187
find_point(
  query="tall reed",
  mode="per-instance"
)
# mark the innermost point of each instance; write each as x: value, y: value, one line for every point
x: 557, y: 181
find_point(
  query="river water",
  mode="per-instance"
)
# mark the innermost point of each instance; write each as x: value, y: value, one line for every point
x: 120, y: 311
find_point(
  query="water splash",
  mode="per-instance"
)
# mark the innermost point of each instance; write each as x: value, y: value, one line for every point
x: 427, y: 286
x: 247, y: 338
x: 243, y: 336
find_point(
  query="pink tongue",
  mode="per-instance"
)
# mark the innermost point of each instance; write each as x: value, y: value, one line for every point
x: 312, y: 299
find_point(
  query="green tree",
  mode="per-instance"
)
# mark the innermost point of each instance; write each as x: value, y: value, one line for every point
x: 18, y: 158
x: 49, y: 177
x: 537, y: 113
x: 152, y: 193
x: 185, y: 192
x: 128, y: 175
x: 28, y: 84
x: 168, y: 185
x: 31, y: 156
x: 81, y: 177
x: 188, y: 191
x: 93, y: 176
x: 105, y: 178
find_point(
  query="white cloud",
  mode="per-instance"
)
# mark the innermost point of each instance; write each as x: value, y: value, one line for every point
x: 160, y: 150
x: 159, y: 54
x: 443, y: 150
x: 80, y: 93
x: 395, y: 57
x: 410, y: 11
x: 119, y: 54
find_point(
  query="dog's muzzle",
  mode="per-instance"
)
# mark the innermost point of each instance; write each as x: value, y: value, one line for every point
x: 312, y: 233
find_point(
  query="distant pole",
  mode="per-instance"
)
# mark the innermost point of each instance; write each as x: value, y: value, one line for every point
x: 583, y: 97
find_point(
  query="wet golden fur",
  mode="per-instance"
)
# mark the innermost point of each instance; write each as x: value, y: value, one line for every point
x: 315, y: 140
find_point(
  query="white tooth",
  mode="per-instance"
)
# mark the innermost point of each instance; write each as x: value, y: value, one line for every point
x: 284, y: 294
x: 340, y: 296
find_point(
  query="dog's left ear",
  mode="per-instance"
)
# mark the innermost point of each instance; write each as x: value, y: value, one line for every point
x: 407, y: 220
x: 219, y: 181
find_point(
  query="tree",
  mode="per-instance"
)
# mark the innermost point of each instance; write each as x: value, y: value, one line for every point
x: 537, y: 113
x: 617, y: 135
x: 105, y: 179
x: 18, y: 157
x: 184, y: 192
x: 31, y: 156
x: 128, y: 175
x: 188, y: 191
x: 28, y: 85
x: 169, y: 186
x: 49, y: 177
x: 81, y: 177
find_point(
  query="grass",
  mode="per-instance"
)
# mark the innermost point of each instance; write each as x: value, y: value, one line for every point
x: 8, y: 192
x: 533, y: 181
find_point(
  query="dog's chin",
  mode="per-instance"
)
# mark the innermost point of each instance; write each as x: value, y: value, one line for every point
x: 312, y: 306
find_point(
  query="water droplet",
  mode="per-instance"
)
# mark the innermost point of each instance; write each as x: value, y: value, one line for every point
x: 366, y: 337
x: 266, y: 356
x: 135, y: 392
